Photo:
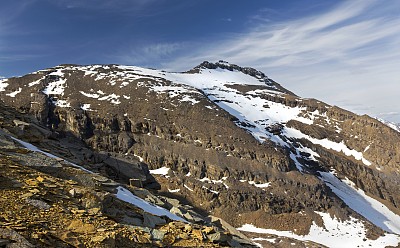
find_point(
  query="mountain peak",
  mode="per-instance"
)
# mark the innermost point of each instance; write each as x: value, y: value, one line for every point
x: 232, y: 67
x: 224, y: 65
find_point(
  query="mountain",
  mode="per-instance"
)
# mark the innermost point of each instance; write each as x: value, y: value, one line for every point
x: 392, y: 125
x: 225, y: 140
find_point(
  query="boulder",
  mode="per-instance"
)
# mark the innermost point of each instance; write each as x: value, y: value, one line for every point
x: 14, y: 238
x: 157, y: 234
x: 152, y: 221
x: 217, y: 237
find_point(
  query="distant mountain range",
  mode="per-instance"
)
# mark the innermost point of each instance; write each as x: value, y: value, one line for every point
x: 224, y: 141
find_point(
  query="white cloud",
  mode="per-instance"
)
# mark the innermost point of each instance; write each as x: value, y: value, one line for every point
x: 152, y: 52
x: 349, y: 54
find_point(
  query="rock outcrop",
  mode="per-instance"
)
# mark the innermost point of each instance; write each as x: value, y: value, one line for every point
x: 47, y: 201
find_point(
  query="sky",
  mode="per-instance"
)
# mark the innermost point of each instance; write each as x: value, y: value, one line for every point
x: 343, y: 52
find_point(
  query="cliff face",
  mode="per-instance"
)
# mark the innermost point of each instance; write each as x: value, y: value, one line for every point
x: 49, y: 201
x: 229, y: 141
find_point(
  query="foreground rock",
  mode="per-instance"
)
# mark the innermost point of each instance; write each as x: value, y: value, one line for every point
x: 50, y: 202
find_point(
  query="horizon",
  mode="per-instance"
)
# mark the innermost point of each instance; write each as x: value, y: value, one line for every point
x: 344, y: 53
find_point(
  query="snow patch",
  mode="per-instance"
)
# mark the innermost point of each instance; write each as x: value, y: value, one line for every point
x: 356, y: 199
x: 91, y: 95
x: 113, y: 98
x: 392, y: 125
x: 62, y: 104
x: 3, y: 84
x: 86, y: 107
x: 260, y: 185
x: 328, y: 144
x: 174, y: 91
x: 34, y: 82
x: 13, y: 94
x: 127, y: 196
x: 210, y: 190
x: 160, y: 171
x: 335, y: 233
x: 184, y: 185
x: 55, y: 88
x: 140, y: 158
x: 33, y: 148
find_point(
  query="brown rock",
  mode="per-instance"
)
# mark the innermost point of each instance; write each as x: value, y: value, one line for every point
x: 40, y: 179
x: 208, y: 229
x: 168, y: 239
x: 72, y: 239
x: 79, y: 226
x: 197, y: 234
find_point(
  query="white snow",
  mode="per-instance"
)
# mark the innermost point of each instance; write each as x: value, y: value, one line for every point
x: 335, y: 233
x: 89, y: 72
x: 272, y: 240
x: 127, y: 196
x: 140, y: 158
x: 208, y: 189
x: 91, y: 95
x: 86, y: 107
x: 58, y: 72
x: 174, y: 90
x: 260, y: 185
x: 207, y: 180
x: 339, y: 147
x: 13, y: 94
x: 35, y: 149
x: 160, y: 171
x: 184, y: 185
x: 3, y: 84
x: 113, y: 98
x: 34, y: 82
x: 392, y: 125
x: 174, y: 190
x: 368, y: 207
x: 188, y: 98
x: 63, y: 104
x: 123, y: 84
x: 55, y: 88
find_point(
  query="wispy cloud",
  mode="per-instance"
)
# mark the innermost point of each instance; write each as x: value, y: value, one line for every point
x: 148, y: 54
x: 347, y: 53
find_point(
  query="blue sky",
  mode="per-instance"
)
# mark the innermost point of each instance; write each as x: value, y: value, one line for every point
x: 346, y: 53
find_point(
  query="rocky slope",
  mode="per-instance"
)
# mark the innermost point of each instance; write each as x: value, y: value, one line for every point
x: 224, y: 139
x: 48, y: 201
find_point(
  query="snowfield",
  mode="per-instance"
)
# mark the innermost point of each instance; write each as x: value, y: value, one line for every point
x: 334, y: 234
x: 368, y: 207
